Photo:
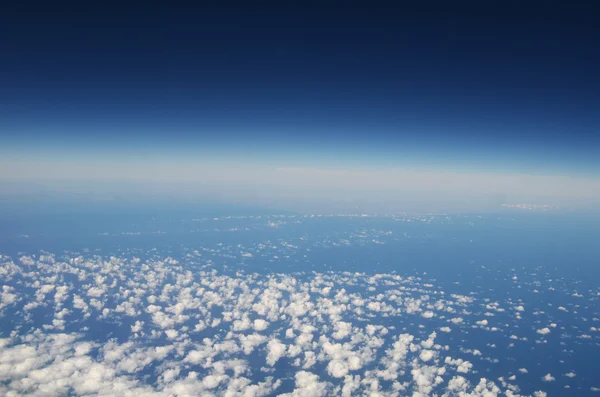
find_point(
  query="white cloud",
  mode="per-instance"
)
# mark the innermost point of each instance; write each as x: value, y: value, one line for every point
x: 548, y: 378
x: 206, y: 322
x: 337, y: 368
x: 260, y: 324
x: 275, y: 350
x: 308, y: 385
x: 427, y: 355
x: 342, y: 330
x: 8, y: 297
x: 138, y: 326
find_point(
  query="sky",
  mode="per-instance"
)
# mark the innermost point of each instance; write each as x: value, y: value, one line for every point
x: 295, y: 104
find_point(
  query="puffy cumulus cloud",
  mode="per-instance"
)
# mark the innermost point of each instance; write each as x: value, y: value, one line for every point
x: 342, y: 358
x: 197, y: 331
x: 308, y: 385
x: 250, y: 342
x: 244, y: 387
x: 310, y: 359
x: 275, y: 350
x: 55, y: 365
x: 342, y: 330
x: 337, y: 368
x: 486, y: 388
x: 548, y: 378
x: 212, y: 381
x: 426, y: 378
x: 260, y: 324
x: 351, y: 384
x: 543, y: 331
x: 458, y: 385
x: 428, y: 344
x: 242, y: 325
x: 7, y: 297
x: 427, y: 355
x: 461, y: 365
x: 137, y: 327
x: 95, y: 292
x: 171, y: 333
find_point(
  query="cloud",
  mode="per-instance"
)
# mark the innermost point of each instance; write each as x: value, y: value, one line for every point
x: 342, y: 330
x: 8, y: 297
x: 200, y: 331
x: 308, y: 385
x: 548, y: 378
x: 275, y: 350
x: 427, y: 355
x: 260, y: 324
x: 337, y: 368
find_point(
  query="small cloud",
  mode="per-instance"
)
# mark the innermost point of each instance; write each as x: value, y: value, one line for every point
x: 548, y: 378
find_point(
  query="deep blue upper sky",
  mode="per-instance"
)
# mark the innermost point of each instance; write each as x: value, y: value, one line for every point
x: 479, y: 83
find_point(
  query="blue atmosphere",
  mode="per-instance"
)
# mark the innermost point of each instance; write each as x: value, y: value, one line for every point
x: 466, y: 86
x: 300, y: 200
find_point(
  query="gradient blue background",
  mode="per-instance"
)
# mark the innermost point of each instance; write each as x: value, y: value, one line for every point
x: 506, y: 87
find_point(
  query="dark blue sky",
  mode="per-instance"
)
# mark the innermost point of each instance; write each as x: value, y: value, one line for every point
x: 509, y: 85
